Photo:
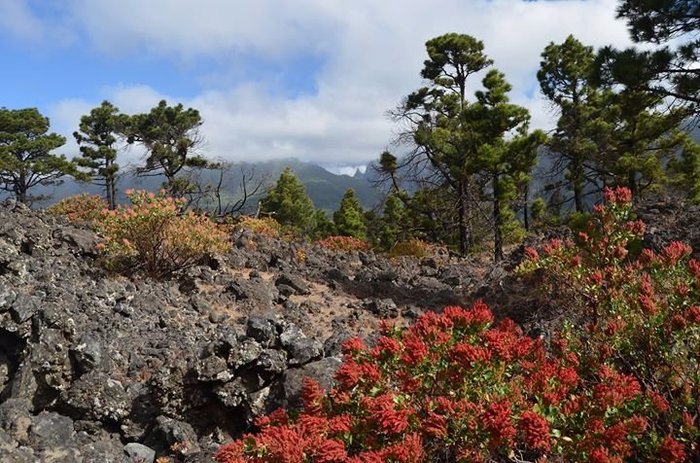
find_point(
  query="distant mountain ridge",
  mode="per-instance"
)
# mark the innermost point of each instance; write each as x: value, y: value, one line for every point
x: 325, y: 188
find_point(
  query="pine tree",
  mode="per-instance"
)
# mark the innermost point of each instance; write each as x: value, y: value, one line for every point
x: 434, y: 116
x: 643, y: 138
x: 685, y: 170
x: 506, y: 163
x: 394, y: 222
x: 671, y: 69
x: 288, y: 203
x: 324, y: 226
x: 349, y: 219
x: 97, y: 139
x: 565, y: 79
x: 171, y: 135
x: 25, y: 153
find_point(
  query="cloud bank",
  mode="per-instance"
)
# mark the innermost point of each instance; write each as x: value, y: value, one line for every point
x: 367, y: 56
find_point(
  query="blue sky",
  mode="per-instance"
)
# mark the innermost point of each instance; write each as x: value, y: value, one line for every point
x: 310, y: 79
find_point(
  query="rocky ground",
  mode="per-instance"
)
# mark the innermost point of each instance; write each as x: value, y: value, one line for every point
x: 103, y: 368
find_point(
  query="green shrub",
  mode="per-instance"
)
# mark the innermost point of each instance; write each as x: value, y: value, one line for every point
x: 155, y: 236
x: 82, y: 208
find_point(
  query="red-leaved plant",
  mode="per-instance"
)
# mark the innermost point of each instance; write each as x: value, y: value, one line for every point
x: 638, y: 313
x: 457, y: 386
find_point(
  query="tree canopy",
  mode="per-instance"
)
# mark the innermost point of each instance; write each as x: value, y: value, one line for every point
x: 671, y: 69
x: 26, y: 158
x: 171, y: 135
x: 349, y: 218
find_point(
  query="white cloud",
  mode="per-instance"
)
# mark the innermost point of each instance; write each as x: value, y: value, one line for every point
x: 133, y: 99
x: 373, y: 52
x: 64, y: 118
x: 205, y: 27
x: 17, y: 19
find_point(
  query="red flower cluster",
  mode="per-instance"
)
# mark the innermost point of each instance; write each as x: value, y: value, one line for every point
x: 497, y: 421
x: 534, y: 429
x: 671, y: 451
x: 619, y: 196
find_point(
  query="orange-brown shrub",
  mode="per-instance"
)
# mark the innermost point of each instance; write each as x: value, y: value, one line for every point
x: 82, y: 208
x: 413, y: 247
x: 343, y: 243
x: 265, y: 226
x: 155, y: 236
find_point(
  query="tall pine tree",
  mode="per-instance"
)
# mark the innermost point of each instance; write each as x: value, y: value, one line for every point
x: 97, y: 139
x: 565, y: 80
x: 505, y: 163
x: 434, y: 117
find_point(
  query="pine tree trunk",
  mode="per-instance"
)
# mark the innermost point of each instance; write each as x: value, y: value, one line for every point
x: 632, y: 184
x: 463, y: 201
x: 21, y: 189
x: 526, y: 208
x: 21, y: 195
x: 111, y: 193
x: 577, y: 182
x: 497, y: 222
x: 110, y: 188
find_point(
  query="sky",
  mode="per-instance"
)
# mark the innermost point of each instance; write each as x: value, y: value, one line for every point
x: 310, y: 79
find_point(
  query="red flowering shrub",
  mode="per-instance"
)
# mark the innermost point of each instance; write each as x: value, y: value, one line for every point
x: 457, y: 387
x: 155, y: 236
x: 83, y: 208
x: 639, y: 314
x: 343, y: 243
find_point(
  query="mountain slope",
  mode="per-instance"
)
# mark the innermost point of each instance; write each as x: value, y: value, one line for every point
x: 325, y: 188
